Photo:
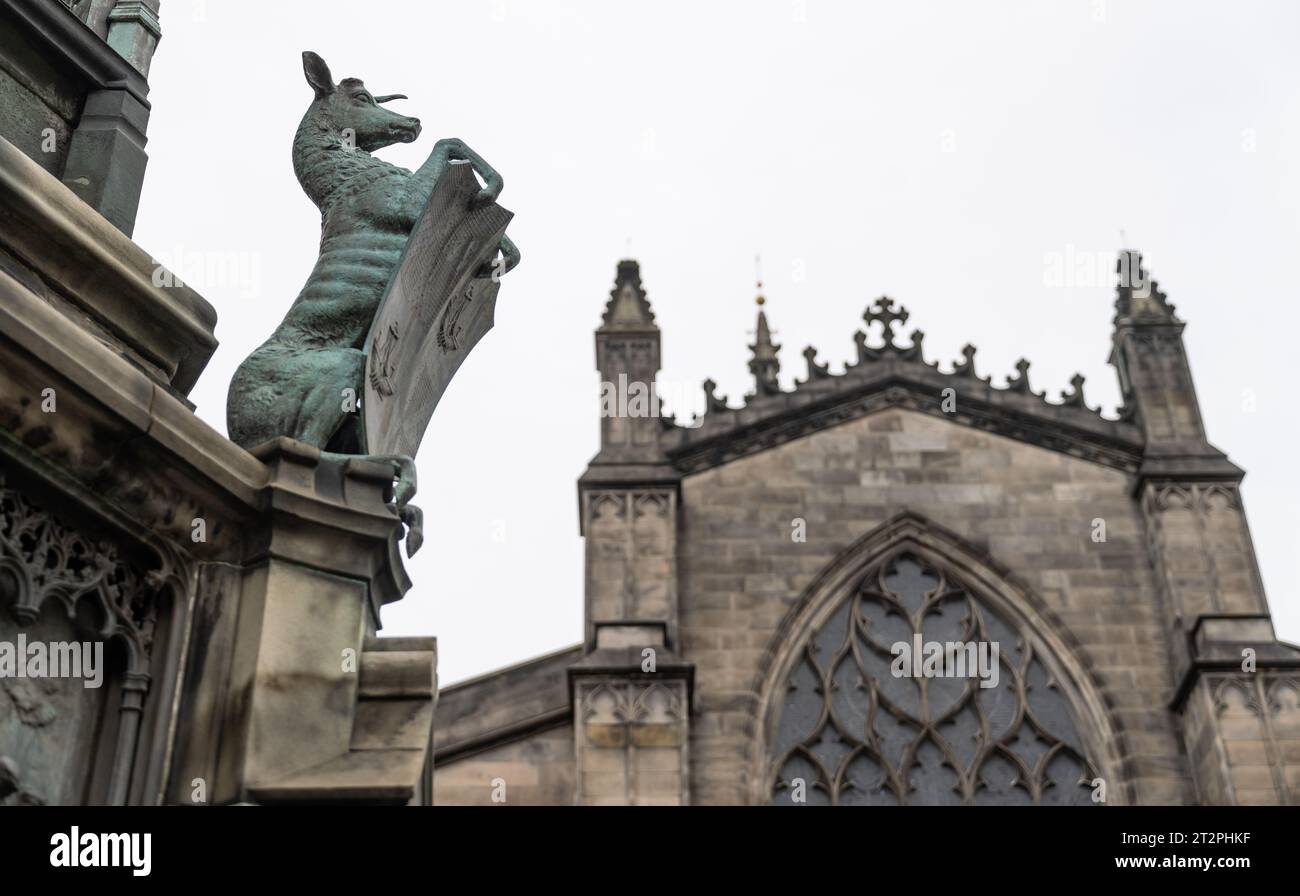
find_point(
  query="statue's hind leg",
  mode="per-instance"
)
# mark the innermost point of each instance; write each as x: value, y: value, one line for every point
x: 331, y: 391
x: 329, y: 421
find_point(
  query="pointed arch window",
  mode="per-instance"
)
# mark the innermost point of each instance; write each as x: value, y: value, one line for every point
x: 855, y: 728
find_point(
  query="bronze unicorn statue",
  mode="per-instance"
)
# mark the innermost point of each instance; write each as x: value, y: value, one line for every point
x: 304, y: 380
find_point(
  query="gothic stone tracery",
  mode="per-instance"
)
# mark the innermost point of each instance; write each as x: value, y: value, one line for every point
x: 850, y: 732
x: 45, y: 563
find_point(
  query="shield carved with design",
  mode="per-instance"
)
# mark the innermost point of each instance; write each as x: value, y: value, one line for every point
x: 435, y: 310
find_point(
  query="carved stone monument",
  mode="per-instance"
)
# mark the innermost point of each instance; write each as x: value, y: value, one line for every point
x: 233, y: 586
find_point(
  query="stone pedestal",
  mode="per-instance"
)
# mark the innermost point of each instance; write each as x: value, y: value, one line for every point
x: 295, y: 637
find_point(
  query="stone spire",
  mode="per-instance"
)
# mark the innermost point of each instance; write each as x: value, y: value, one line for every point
x: 627, y: 357
x: 1154, y: 375
x: 628, y: 308
x: 1138, y: 298
x: 764, y: 364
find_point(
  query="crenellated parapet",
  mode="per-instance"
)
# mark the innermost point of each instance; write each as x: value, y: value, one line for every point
x: 890, y: 372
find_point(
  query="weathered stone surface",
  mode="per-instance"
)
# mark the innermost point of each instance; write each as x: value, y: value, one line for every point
x: 535, y: 771
x: 742, y: 572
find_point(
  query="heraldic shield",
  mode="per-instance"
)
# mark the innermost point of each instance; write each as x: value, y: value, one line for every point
x: 436, y: 308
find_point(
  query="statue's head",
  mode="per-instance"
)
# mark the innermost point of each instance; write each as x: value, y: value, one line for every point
x: 351, y: 109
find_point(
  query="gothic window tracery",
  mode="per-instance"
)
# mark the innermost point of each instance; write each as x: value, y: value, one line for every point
x: 852, y: 732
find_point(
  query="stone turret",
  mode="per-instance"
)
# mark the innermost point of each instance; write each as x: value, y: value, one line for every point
x: 1230, y: 674
x: 631, y: 694
x: 1155, y: 378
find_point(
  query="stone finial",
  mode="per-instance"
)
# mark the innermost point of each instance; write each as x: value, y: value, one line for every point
x: 888, y: 313
x: 628, y: 308
x: 914, y: 352
x: 1138, y: 298
x: 815, y: 371
x: 1020, y: 382
x: 966, y: 366
x: 712, y: 401
x: 865, y: 353
x: 764, y: 365
x: 1074, y: 397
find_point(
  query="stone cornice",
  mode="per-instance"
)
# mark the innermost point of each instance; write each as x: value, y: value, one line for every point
x: 102, y: 272
x: 80, y: 47
x: 1216, y: 643
x: 1205, y: 467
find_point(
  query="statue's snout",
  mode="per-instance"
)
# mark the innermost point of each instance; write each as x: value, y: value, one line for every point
x: 407, y: 129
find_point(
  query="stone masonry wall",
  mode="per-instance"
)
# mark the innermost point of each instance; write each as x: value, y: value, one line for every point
x: 536, y: 771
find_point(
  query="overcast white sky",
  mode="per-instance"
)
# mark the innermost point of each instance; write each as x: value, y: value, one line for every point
x: 943, y: 153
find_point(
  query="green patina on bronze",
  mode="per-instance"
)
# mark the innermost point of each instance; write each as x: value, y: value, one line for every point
x: 303, y: 381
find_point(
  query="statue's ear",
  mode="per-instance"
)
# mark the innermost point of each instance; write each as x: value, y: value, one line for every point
x: 318, y: 74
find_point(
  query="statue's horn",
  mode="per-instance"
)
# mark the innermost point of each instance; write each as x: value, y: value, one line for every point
x: 391, y: 96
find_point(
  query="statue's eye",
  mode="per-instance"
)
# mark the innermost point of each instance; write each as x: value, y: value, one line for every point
x: 363, y: 98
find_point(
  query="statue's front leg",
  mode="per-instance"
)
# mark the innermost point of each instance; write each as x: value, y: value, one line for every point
x: 455, y: 148
x: 498, y: 267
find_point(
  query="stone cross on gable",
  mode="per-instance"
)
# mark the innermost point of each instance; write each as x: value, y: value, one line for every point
x: 888, y: 312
